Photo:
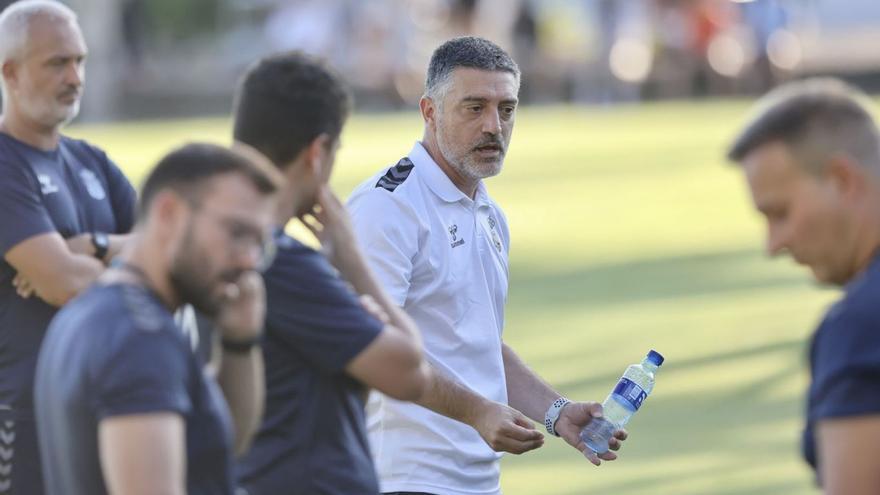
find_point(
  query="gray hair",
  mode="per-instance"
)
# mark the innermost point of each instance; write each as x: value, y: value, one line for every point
x: 466, y: 51
x: 815, y: 118
x: 15, y: 21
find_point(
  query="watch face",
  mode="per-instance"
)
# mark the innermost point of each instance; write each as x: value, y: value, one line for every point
x: 101, y: 241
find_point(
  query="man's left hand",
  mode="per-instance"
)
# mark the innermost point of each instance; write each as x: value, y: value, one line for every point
x: 23, y: 286
x: 244, y: 313
x: 573, y: 418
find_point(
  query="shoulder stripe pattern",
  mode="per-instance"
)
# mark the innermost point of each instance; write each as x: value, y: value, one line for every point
x: 396, y: 175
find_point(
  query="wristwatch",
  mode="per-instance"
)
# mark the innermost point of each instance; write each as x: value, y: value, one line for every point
x: 552, y: 415
x: 241, y: 346
x: 101, y: 241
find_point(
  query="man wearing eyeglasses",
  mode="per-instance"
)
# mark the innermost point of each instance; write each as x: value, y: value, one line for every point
x: 123, y: 404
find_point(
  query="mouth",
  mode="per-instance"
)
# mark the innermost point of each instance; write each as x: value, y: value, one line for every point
x: 231, y: 277
x: 69, y: 98
x: 489, y: 150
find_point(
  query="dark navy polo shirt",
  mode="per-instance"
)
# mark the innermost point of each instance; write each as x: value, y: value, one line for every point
x: 845, y: 358
x: 116, y: 351
x: 72, y: 190
x: 313, y: 436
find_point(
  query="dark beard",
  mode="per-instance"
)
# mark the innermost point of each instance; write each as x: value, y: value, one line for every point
x: 191, y: 291
x: 189, y: 273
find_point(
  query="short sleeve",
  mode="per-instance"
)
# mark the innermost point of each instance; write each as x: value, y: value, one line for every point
x: 314, y: 312
x: 846, y: 365
x: 123, y: 197
x: 148, y: 373
x: 388, y: 232
x: 22, y: 212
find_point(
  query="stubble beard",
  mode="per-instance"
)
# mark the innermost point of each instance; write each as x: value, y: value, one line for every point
x: 466, y: 161
x: 50, y: 114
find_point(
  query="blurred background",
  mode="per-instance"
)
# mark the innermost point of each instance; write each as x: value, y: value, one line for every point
x: 154, y: 58
x: 630, y: 231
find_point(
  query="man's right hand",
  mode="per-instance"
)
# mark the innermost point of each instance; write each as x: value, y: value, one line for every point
x: 505, y: 429
x: 23, y: 286
x: 244, y: 312
x: 329, y: 222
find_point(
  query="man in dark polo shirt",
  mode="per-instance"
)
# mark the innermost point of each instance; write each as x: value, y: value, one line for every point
x: 323, y: 349
x: 63, y: 204
x: 123, y: 404
x: 811, y: 157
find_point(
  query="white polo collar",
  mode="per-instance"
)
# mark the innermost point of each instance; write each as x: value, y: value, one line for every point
x: 439, y: 182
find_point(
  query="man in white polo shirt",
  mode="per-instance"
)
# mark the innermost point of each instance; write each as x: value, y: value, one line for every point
x: 439, y: 244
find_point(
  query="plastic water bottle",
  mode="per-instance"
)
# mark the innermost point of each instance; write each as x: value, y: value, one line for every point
x: 626, y: 398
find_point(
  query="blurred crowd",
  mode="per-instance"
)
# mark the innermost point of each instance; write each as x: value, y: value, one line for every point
x: 590, y: 50
x: 183, y: 57
x: 569, y: 50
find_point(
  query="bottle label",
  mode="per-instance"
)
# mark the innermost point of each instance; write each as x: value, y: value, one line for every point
x: 631, y: 392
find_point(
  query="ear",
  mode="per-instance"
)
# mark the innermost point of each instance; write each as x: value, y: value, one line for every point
x: 429, y: 110
x: 169, y: 212
x: 8, y: 71
x: 845, y: 174
x: 316, y: 154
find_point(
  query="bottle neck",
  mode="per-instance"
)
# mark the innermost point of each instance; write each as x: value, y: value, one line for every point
x: 649, y: 366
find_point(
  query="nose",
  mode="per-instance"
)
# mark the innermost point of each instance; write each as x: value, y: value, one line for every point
x: 246, y: 254
x: 492, y: 122
x: 777, y: 240
x: 250, y: 257
x: 74, y: 74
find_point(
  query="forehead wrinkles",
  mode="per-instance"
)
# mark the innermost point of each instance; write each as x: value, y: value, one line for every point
x: 491, y: 85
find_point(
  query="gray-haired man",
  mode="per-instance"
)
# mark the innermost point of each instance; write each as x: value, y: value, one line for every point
x: 440, y: 244
x: 65, y: 209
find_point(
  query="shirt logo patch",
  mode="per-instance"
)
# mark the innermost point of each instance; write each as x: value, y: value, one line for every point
x: 46, y: 184
x: 496, y: 240
x: 93, y: 185
x: 453, y: 230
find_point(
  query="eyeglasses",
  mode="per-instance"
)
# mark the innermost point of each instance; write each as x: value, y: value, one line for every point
x: 245, y: 237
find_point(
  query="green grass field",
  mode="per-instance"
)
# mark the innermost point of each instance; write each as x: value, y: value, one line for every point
x: 629, y: 233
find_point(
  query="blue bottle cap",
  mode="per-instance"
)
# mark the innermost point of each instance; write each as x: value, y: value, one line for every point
x: 655, y: 357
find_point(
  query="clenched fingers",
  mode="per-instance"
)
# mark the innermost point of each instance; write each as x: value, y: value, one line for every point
x: 511, y: 442
x: 617, y: 439
x: 22, y: 286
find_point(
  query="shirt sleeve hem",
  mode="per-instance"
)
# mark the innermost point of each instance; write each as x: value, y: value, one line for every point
x: 363, y: 341
x: 23, y: 235
x: 843, y: 412
x: 132, y: 409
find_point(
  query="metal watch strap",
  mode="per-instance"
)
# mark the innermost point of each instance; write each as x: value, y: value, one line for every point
x: 552, y: 415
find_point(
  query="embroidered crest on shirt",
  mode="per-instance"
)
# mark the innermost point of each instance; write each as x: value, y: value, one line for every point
x: 46, y: 184
x: 93, y: 184
x: 453, y: 231
x: 496, y: 240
